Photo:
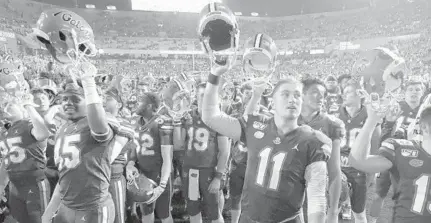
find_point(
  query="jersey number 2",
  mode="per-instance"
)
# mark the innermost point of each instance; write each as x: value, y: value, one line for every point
x: 66, y: 154
x: 421, y: 193
x: 277, y: 160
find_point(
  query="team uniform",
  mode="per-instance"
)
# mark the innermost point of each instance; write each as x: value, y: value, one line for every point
x: 199, y: 167
x: 396, y: 130
x: 84, y: 163
x: 329, y: 125
x: 25, y: 161
x: 237, y: 173
x: 413, y: 163
x: 117, y: 186
x: 357, y: 179
x: 151, y: 137
x: 275, y: 180
x: 333, y: 102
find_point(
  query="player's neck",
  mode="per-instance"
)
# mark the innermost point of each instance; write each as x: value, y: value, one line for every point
x: 285, y: 125
x: 148, y: 117
x: 308, y: 114
x: 413, y: 104
x: 352, y: 110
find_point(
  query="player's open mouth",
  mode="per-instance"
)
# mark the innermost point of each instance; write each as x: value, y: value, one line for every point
x: 69, y: 109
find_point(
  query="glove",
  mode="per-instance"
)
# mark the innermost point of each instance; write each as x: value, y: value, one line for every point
x: 156, y: 194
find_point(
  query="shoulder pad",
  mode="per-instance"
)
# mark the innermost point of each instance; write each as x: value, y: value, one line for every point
x: 403, y: 142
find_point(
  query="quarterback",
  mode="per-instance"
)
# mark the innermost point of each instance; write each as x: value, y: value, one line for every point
x: 284, y: 159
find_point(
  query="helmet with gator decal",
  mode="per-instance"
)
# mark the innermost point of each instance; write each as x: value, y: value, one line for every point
x: 66, y: 35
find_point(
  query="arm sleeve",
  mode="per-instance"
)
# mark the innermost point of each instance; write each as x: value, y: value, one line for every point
x: 387, y: 149
x: 318, y: 151
x: 317, y: 181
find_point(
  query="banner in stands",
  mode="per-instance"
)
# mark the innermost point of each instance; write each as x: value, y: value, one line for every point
x: 8, y: 43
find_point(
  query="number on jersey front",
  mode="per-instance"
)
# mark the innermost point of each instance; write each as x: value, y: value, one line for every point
x: 146, y: 143
x: 273, y: 161
x: 350, y: 138
x: 66, y: 153
x: 198, y: 139
x: 422, y: 193
x: 12, y: 153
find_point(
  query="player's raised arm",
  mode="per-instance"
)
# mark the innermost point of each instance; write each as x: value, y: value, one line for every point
x: 360, y: 157
x: 253, y: 104
x: 4, y: 177
x: 95, y: 113
x: 40, y: 130
x: 211, y: 113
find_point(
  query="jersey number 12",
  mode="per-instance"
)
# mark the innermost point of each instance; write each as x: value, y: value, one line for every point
x: 277, y: 160
x: 421, y: 193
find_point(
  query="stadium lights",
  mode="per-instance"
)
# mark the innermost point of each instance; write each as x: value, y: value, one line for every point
x: 111, y: 7
x: 90, y: 6
x: 255, y: 14
x: 238, y: 13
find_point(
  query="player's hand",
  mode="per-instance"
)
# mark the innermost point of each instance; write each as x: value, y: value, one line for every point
x: 393, y: 113
x: 156, y: 194
x: 259, y: 88
x: 220, y: 68
x: 131, y: 172
x: 214, y: 186
x: 27, y: 100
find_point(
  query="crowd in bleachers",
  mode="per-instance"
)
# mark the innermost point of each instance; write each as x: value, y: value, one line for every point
x: 177, y: 31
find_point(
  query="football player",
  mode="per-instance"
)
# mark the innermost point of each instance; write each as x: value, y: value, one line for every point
x: 314, y: 92
x: 153, y: 156
x: 283, y: 159
x: 85, y: 148
x: 205, y: 163
x: 396, y: 127
x: 112, y: 104
x: 333, y: 95
x: 354, y: 114
x: 410, y: 158
x: 23, y: 157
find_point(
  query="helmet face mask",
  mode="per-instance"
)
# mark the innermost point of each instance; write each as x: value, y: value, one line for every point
x: 218, y: 33
x: 259, y: 61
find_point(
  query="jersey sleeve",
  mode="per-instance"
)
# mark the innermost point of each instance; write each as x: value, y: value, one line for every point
x: 338, y: 129
x: 121, y: 128
x: 318, y: 150
x: 388, y: 148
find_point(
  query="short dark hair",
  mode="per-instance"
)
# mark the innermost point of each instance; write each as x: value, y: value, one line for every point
x: 153, y: 98
x: 307, y: 83
x: 35, y: 91
x: 344, y: 76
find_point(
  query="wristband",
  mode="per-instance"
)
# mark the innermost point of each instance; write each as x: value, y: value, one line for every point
x: 162, y: 185
x: 213, y: 79
x: 90, y: 91
x: 219, y: 175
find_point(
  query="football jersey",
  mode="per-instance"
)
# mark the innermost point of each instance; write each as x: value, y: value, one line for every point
x: 328, y: 124
x: 413, y: 164
x: 274, y: 183
x: 353, y: 127
x: 408, y: 115
x: 239, y: 155
x: 151, y: 137
x: 201, y: 143
x: 23, y: 155
x: 84, y: 164
x: 119, y: 163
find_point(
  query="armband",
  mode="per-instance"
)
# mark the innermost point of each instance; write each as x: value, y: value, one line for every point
x: 163, y: 184
x: 213, y: 79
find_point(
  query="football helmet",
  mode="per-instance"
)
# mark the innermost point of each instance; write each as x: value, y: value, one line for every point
x: 218, y: 33
x: 381, y: 73
x: 176, y: 97
x: 66, y: 35
x: 259, y: 60
x: 140, y: 188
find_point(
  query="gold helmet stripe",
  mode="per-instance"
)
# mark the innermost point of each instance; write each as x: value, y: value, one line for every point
x: 212, y: 7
